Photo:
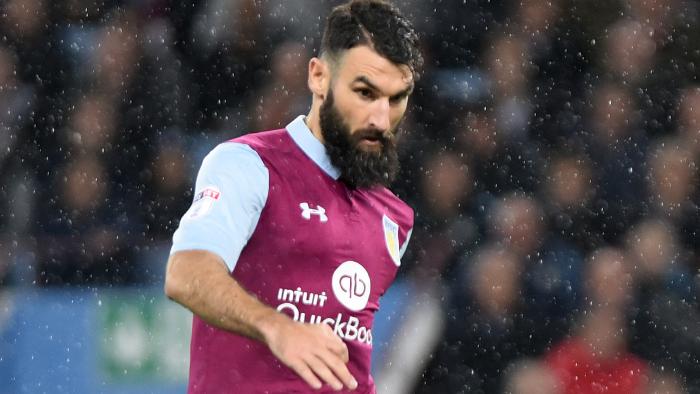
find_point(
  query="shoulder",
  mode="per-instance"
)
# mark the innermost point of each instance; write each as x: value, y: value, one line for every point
x: 265, y: 140
x: 233, y: 159
x: 231, y: 155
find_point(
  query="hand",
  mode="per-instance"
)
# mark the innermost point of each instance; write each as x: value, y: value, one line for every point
x: 313, y: 351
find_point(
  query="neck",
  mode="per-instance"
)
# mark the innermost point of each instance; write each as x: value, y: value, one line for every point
x: 313, y: 120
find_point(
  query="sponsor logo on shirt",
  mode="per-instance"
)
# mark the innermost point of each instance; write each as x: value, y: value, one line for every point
x: 351, y: 285
x: 346, y: 327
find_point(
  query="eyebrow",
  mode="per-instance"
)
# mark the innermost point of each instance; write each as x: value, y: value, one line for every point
x: 401, y: 94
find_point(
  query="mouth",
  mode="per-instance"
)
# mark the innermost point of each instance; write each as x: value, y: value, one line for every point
x: 372, y: 142
x: 372, y: 138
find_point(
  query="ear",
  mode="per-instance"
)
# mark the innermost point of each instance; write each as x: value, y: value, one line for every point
x: 319, y: 77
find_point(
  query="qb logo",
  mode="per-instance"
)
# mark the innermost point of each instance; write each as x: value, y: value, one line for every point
x: 351, y: 285
x: 307, y: 211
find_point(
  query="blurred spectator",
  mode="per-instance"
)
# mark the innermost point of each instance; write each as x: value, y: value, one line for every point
x: 665, y: 319
x: 689, y: 118
x: 672, y: 181
x: 167, y: 194
x: 665, y: 383
x: 466, y: 24
x: 284, y: 94
x: 476, y: 132
x: 530, y: 376
x: 502, y: 163
x: 16, y: 183
x: 446, y: 224
x: 556, y: 86
x: 631, y: 56
x: 485, y: 329
x: 648, y: 51
x: 297, y: 20
x: 508, y: 64
x: 629, y: 51
x: 145, y: 90
x: 230, y: 59
x: 168, y: 189
x: 83, y: 237
x: 568, y: 192
x: 595, y: 359
x: 672, y: 24
x: 25, y: 26
x: 517, y: 221
x: 537, y: 20
x: 552, y: 267
x: 26, y: 17
x: 655, y: 15
x: 17, y: 100
x: 115, y: 56
x: 617, y: 148
x: 689, y: 138
x: 92, y: 127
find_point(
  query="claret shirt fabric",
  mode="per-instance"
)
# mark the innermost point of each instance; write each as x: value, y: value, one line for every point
x: 271, y: 206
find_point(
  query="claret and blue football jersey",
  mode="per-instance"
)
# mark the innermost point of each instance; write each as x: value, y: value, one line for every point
x: 271, y: 206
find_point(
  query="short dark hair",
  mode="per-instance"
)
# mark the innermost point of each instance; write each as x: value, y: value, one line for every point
x: 375, y: 23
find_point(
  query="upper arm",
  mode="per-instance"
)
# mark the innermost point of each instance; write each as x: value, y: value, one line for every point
x: 230, y: 193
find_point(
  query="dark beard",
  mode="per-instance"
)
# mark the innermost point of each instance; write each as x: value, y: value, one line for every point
x: 358, y: 168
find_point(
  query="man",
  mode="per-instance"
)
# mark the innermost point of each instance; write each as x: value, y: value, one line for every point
x: 292, y: 236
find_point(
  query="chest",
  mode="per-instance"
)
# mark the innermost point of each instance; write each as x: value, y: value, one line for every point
x: 319, y: 236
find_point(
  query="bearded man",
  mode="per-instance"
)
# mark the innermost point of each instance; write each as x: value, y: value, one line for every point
x: 293, y: 236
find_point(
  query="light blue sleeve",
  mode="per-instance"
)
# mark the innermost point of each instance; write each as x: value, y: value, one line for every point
x: 230, y: 193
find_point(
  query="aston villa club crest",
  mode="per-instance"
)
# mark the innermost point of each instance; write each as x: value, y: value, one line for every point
x: 391, y: 238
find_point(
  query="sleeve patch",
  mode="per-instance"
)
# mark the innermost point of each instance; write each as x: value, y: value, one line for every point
x: 203, y: 202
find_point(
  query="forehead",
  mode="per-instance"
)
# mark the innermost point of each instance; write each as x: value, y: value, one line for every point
x: 364, y: 61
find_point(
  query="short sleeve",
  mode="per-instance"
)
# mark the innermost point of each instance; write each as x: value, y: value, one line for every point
x: 230, y: 192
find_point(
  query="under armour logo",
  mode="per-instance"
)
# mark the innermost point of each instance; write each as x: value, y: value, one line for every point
x: 307, y: 211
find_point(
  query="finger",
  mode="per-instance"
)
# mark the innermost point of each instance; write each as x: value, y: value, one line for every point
x: 338, y: 368
x: 327, y: 330
x: 336, y: 345
x: 322, y: 370
x: 340, y: 349
x: 305, y: 372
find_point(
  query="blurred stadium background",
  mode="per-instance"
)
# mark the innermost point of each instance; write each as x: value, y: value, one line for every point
x: 551, y: 153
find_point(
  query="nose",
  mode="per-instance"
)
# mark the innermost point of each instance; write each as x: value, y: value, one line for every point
x: 379, y: 117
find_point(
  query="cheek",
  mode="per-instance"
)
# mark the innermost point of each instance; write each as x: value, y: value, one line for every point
x: 397, y: 114
x: 350, y: 107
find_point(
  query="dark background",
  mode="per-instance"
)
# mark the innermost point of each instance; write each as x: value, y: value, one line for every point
x: 550, y: 150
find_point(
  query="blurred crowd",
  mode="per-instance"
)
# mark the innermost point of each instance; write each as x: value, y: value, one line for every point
x: 551, y: 152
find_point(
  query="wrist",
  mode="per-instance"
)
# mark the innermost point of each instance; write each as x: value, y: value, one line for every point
x: 269, y: 324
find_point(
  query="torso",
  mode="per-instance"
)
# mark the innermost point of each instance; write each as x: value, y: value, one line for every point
x: 320, y: 253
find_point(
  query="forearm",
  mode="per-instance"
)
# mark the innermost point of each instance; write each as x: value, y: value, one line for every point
x: 201, y: 282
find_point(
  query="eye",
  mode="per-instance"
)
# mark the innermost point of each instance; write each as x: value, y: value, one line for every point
x: 365, y: 93
x: 396, y: 99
